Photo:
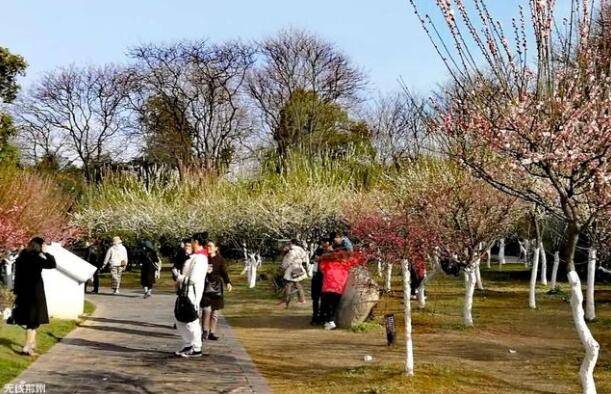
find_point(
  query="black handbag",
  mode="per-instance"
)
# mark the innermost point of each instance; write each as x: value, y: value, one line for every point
x: 184, y: 310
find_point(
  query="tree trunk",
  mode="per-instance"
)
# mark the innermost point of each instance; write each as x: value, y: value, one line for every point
x: 478, y: 276
x: 469, y: 290
x: 527, y: 253
x: 586, y: 372
x: 388, y: 284
x: 543, y: 264
x: 555, y: 270
x: 409, y: 348
x: 421, y: 294
x: 590, y: 307
x: 488, y: 256
x: 532, y: 301
x: 379, y: 261
x: 502, y: 251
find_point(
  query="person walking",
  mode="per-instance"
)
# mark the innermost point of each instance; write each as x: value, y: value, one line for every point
x: 92, y: 256
x: 151, y: 268
x: 116, y: 258
x: 213, y: 299
x: 192, y: 279
x: 30, y: 302
x: 292, y: 265
x: 317, y: 279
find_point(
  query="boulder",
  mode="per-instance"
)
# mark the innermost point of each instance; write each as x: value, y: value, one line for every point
x: 360, y: 296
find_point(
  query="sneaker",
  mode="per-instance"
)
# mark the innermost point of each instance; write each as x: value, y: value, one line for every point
x: 204, y: 335
x: 191, y: 353
x: 213, y: 337
x: 330, y: 325
x: 183, y: 350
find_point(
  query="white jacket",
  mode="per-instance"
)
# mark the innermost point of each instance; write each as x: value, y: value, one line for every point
x: 293, y: 260
x: 115, y: 255
x: 195, y: 270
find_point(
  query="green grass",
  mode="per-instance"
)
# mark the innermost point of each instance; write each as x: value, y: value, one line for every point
x: 449, y: 358
x: 12, y: 338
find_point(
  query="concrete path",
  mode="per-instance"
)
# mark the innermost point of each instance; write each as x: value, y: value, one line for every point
x: 127, y: 346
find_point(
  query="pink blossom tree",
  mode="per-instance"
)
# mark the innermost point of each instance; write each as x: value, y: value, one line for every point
x: 540, y: 132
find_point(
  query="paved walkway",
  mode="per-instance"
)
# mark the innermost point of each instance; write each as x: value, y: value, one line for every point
x: 126, y: 347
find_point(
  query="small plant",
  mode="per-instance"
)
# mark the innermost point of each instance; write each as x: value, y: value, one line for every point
x: 366, y: 326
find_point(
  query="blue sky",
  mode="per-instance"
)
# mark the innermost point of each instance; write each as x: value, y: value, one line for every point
x: 382, y: 36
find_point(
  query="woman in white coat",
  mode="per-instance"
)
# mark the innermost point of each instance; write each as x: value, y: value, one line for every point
x: 193, y: 275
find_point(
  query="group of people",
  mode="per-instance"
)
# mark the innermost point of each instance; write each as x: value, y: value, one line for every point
x: 332, y: 262
x: 198, y: 270
x: 200, y: 276
x: 116, y: 259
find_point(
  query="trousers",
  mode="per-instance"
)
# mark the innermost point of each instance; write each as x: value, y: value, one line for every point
x: 191, y: 334
x: 115, y: 277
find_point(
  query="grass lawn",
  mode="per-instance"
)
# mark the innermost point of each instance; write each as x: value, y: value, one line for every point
x: 544, y: 358
x: 12, y: 338
x: 294, y: 357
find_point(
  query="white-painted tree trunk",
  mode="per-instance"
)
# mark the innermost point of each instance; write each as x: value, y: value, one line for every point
x: 522, y: 250
x: 488, y: 256
x: 469, y: 290
x: 591, y: 346
x: 478, y: 276
x: 421, y: 293
x: 543, y: 264
x: 532, y: 293
x: 527, y: 260
x: 590, y: 307
x: 409, y: 347
x: 502, y: 251
x: 555, y: 270
x: 388, y: 282
x: 379, y: 268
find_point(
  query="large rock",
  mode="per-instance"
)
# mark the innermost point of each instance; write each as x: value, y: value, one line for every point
x: 359, y: 298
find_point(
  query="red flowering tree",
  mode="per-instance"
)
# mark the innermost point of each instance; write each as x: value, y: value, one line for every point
x: 388, y: 231
x: 32, y: 206
x: 540, y: 132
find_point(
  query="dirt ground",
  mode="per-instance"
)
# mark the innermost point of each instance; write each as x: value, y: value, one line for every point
x: 511, y: 349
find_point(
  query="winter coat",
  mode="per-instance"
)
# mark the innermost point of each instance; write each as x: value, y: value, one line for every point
x: 116, y: 256
x: 335, y: 267
x: 194, y: 274
x: 150, y: 266
x: 293, y: 261
x: 30, y: 301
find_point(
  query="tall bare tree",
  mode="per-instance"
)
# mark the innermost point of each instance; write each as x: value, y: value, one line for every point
x: 78, y: 113
x: 197, y: 91
x: 294, y: 62
x: 398, y: 128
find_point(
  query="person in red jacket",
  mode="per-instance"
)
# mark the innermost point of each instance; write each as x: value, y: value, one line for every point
x: 335, y: 267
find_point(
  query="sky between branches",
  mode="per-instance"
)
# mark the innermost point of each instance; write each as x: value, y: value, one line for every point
x: 381, y: 36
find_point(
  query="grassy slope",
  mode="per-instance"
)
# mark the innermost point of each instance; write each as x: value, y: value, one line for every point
x: 11, y: 342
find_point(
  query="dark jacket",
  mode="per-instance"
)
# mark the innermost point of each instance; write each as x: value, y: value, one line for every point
x: 178, y: 261
x: 218, y: 278
x: 149, y: 267
x: 30, y: 301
